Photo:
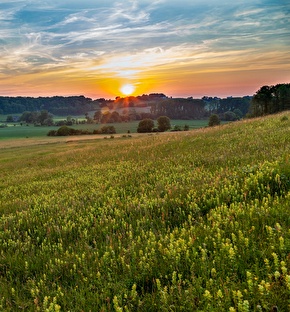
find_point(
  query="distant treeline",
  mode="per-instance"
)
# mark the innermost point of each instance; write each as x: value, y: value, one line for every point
x: 270, y: 100
x: 219, y: 106
x: 159, y: 105
x: 179, y: 108
x: 267, y: 100
x: 231, y: 108
x: 183, y: 108
x: 57, y: 105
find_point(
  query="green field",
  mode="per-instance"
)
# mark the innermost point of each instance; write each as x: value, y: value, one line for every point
x: 181, y: 221
x: 14, y: 130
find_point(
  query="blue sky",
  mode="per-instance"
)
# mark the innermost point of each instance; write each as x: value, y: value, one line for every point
x: 181, y: 48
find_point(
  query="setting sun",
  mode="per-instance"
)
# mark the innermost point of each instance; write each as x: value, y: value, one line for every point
x: 127, y: 89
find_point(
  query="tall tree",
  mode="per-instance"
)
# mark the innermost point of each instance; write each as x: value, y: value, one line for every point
x: 214, y: 120
x: 163, y: 123
x: 282, y: 93
x: 262, y: 99
x: 270, y: 100
x: 145, y: 125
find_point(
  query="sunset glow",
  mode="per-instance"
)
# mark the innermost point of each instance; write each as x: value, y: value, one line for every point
x: 127, y: 89
x: 93, y: 48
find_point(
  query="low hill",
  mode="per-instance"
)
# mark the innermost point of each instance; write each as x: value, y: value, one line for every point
x: 186, y: 221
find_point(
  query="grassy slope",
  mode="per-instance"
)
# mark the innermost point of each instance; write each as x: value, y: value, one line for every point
x: 180, y: 221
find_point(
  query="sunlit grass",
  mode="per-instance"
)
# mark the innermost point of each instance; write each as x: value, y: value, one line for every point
x: 193, y: 221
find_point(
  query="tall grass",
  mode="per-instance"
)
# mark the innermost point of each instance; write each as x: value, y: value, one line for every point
x: 190, y: 221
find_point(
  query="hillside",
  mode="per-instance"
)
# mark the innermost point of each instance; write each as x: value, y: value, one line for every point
x: 183, y: 221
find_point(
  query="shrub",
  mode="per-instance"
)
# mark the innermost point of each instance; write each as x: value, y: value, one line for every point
x: 284, y: 118
x: 238, y: 113
x: 145, y: 125
x: 176, y: 128
x: 52, y: 133
x: 163, y: 123
x: 64, y: 131
x: 108, y: 130
x: 230, y: 116
x: 214, y: 120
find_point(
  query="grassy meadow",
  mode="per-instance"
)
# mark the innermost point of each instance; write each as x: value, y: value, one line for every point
x: 183, y: 221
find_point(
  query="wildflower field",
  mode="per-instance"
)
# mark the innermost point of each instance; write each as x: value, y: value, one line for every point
x: 183, y: 221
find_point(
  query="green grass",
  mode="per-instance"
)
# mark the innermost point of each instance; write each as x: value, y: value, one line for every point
x: 15, y: 130
x: 186, y: 221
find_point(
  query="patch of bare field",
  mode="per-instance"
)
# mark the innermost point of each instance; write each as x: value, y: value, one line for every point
x: 25, y: 142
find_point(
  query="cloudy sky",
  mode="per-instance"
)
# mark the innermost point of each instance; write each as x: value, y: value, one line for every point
x: 177, y: 47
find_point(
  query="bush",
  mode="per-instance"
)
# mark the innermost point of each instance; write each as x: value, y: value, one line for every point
x: 284, y: 118
x: 238, y: 113
x: 108, y: 130
x: 176, y: 128
x: 163, y: 123
x: 230, y: 116
x: 64, y: 131
x: 52, y: 133
x: 145, y: 125
x: 105, y: 130
x: 214, y: 120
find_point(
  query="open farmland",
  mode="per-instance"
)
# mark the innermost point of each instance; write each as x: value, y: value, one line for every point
x: 16, y: 131
x: 185, y: 221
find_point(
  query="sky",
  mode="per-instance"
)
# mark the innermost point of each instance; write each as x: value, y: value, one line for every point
x: 181, y: 48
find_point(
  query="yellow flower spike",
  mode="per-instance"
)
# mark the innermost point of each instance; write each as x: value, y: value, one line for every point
x: 276, y: 260
x: 158, y: 284
x: 267, y: 286
x: 281, y: 243
x: 239, y: 295
x: 277, y: 274
x: 284, y: 269
x: 245, y: 306
x: 231, y: 253
x: 207, y: 295
x: 287, y: 280
x: 261, y: 289
x: 134, y: 293
x: 219, y: 294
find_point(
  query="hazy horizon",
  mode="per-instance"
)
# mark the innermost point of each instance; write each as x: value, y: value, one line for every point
x: 179, y: 48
